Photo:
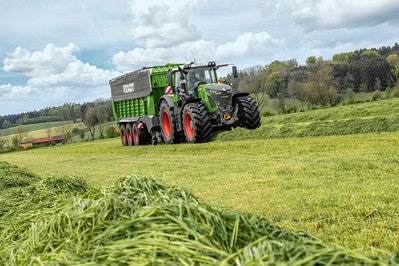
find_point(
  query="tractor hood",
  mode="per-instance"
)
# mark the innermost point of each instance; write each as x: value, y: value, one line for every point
x: 222, y: 94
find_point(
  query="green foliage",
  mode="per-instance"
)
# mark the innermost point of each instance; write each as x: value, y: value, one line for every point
x: 275, y: 84
x: 377, y: 95
x: 110, y: 132
x: 311, y: 60
x: 369, y: 52
x: 343, y: 57
x: 266, y: 113
x: 82, y: 134
x: 140, y: 221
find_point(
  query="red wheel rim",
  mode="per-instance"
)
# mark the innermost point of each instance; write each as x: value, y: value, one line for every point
x: 123, y: 136
x: 187, y: 125
x: 166, y: 123
x: 129, y: 134
x: 136, y: 136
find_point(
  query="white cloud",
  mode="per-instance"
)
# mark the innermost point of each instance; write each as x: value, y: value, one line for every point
x: 56, y: 76
x: 314, y: 15
x: 161, y: 23
x: 56, y: 67
x: 246, y: 45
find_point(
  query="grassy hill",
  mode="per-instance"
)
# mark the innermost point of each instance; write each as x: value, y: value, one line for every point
x: 380, y: 116
x: 38, y: 128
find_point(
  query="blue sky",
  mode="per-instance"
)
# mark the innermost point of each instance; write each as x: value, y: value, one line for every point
x: 52, y: 52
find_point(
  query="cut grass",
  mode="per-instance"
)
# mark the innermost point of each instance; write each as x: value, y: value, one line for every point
x: 141, y: 221
x: 341, y: 188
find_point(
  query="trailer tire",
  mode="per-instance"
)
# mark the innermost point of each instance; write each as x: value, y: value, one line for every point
x: 248, y: 112
x: 196, y: 123
x: 122, y: 131
x: 140, y: 135
x: 129, y: 134
x: 168, y: 124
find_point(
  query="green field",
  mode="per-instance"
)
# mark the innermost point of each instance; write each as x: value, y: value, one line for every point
x: 330, y: 172
x: 340, y: 188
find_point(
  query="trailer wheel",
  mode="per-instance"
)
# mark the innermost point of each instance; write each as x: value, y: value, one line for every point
x: 122, y: 130
x: 129, y: 134
x: 168, y: 125
x: 196, y: 123
x: 248, y: 112
x: 140, y: 134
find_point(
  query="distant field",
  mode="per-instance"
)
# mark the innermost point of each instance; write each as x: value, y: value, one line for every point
x: 35, y: 127
x: 341, y: 188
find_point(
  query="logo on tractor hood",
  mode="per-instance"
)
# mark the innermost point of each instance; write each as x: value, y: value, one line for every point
x: 128, y: 88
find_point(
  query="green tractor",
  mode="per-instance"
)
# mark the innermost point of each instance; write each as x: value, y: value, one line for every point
x: 178, y: 103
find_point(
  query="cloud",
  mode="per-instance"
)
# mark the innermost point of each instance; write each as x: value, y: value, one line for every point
x: 56, y: 67
x: 56, y: 76
x: 161, y: 23
x: 314, y: 15
x: 246, y: 45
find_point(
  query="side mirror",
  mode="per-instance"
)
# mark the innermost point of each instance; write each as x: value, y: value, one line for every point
x: 170, y: 79
x: 234, y: 70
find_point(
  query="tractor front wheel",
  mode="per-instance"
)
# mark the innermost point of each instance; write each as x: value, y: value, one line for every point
x: 248, y: 112
x: 196, y: 123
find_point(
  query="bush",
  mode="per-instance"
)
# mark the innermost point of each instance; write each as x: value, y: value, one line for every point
x: 314, y: 107
x: 75, y: 131
x: 377, y: 95
x: 266, y: 113
x: 110, y: 132
x: 291, y: 109
x: 388, y: 92
x: 82, y: 134
x: 395, y: 93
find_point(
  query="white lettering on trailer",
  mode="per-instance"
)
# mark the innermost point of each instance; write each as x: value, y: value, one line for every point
x: 128, y: 88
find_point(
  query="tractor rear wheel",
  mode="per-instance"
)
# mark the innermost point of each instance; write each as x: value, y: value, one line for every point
x: 129, y: 134
x: 196, y: 124
x: 140, y: 134
x: 168, y: 124
x: 248, y: 112
x: 122, y: 130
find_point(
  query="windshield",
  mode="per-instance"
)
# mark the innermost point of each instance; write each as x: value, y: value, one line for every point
x: 199, y: 75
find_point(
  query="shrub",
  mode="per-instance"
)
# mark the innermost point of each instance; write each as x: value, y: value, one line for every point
x: 291, y: 109
x: 377, y: 95
x: 266, y: 113
x: 388, y: 92
x: 82, y: 134
x: 395, y: 93
x: 110, y: 132
x: 75, y: 131
x: 314, y: 107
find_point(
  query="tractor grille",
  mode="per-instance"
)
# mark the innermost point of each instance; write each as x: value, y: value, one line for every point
x: 222, y: 95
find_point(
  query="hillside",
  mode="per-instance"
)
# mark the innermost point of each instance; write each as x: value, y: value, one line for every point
x: 379, y: 116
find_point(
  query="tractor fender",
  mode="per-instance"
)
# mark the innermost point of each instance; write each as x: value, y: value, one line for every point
x: 239, y: 95
x: 168, y: 101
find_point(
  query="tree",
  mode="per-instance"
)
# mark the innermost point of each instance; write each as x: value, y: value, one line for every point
x: 275, y: 84
x: 3, y: 141
x: 252, y: 83
x: 321, y: 84
x: 22, y: 133
x: 6, y: 124
x: 91, y: 120
x: 48, y: 130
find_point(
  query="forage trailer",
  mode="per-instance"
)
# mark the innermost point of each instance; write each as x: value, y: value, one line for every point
x: 178, y: 103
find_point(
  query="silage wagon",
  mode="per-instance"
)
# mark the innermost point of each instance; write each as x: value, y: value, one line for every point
x: 178, y: 103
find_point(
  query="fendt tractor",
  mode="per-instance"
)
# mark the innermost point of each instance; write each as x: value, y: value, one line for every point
x: 178, y: 102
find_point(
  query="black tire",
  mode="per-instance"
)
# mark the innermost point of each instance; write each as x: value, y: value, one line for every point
x: 248, y: 112
x: 168, y: 124
x: 122, y: 131
x: 129, y: 134
x: 140, y: 135
x: 196, y: 123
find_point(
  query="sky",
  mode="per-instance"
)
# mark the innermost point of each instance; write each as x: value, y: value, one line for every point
x: 53, y: 52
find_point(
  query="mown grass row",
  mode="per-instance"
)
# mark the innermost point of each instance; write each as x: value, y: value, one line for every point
x: 141, y: 221
x: 381, y: 116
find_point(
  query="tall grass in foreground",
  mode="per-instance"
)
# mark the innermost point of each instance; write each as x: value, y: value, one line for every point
x: 141, y: 221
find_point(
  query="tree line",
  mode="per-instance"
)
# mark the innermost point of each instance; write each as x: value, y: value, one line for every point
x: 323, y: 82
x: 67, y: 112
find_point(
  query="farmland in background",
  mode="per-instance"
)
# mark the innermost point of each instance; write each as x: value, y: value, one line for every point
x: 41, y: 127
